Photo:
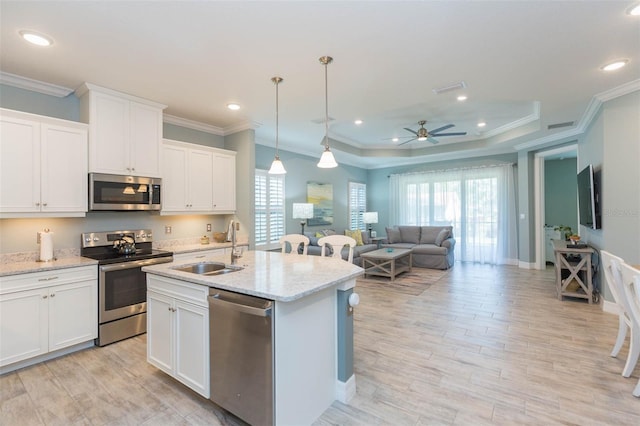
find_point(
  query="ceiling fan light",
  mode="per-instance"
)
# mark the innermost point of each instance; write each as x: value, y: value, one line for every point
x: 327, y: 161
x: 277, y: 168
x: 422, y: 138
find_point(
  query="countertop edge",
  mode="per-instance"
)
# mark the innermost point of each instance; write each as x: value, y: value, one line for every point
x: 19, y: 268
x: 194, y: 280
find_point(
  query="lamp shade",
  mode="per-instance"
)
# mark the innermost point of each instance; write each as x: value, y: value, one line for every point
x: 302, y: 210
x: 370, y: 217
x: 327, y: 161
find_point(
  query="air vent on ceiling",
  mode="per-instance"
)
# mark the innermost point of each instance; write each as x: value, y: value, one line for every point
x: 322, y: 120
x: 449, y: 88
x: 559, y: 125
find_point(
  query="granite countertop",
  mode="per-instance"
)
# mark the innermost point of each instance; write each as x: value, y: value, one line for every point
x: 271, y: 275
x: 28, y: 266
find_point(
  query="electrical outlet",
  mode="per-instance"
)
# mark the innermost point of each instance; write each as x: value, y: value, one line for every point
x: 208, y: 227
x: 167, y: 229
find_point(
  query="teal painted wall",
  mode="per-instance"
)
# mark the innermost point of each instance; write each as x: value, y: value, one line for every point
x: 561, y: 193
x: 302, y: 169
x: 67, y: 108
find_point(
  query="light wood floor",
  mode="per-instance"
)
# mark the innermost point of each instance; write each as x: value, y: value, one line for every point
x: 483, y: 345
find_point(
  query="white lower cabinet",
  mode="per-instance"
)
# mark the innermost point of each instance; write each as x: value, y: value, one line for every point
x: 38, y: 316
x: 178, y: 331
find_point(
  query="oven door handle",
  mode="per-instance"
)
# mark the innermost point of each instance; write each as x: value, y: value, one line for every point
x: 135, y: 264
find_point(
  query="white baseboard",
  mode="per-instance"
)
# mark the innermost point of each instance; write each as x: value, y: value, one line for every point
x: 346, y: 390
x: 609, y: 307
x: 526, y: 265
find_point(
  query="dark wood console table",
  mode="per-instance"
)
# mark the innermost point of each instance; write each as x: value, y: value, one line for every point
x: 577, y: 263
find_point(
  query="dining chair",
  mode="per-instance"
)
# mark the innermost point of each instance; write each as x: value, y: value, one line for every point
x: 337, y: 242
x: 631, y: 289
x: 613, y: 276
x: 294, y: 241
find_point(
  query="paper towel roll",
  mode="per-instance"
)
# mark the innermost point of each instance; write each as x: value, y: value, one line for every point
x: 46, y: 246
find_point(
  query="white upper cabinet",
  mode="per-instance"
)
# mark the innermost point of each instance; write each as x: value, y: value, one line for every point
x: 224, y: 182
x: 43, y: 166
x: 197, y: 179
x: 125, y: 132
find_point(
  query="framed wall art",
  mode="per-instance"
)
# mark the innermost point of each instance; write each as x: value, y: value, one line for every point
x: 321, y: 196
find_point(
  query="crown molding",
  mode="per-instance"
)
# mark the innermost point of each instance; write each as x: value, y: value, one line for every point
x: 247, y: 125
x: 34, y: 85
x: 622, y: 90
x: 194, y: 125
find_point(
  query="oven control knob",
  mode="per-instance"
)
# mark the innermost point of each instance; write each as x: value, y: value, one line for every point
x: 96, y: 239
x: 87, y: 240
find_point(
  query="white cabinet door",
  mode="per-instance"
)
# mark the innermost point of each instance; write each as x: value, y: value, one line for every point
x: 160, y: 343
x: 109, y: 137
x: 224, y: 182
x: 200, y: 180
x: 64, y: 169
x: 23, y: 325
x: 145, y: 136
x: 125, y: 132
x: 178, y: 331
x: 198, y: 256
x: 19, y: 165
x: 192, y: 346
x: 174, y: 178
x: 73, y: 310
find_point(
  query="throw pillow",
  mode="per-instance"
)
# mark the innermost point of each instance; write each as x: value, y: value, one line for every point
x: 320, y: 235
x: 393, y: 235
x: 328, y: 232
x: 442, y: 235
x: 356, y: 235
x: 365, y: 237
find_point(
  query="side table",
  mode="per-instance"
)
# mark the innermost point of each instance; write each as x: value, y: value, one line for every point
x: 376, y: 240
x: 577, y: 262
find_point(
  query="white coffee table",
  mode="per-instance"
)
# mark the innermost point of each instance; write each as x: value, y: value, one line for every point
x: 383, y: 262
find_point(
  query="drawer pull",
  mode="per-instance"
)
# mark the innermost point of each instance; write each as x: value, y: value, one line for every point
x: 48, y: 279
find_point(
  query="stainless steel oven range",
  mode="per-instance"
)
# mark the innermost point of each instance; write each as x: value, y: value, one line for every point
x: 122, y: 286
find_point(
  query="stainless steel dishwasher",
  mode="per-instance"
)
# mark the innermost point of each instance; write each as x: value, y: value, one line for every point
x: 241, y: 348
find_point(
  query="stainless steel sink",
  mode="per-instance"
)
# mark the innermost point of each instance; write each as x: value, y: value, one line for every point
x: 208, y: 268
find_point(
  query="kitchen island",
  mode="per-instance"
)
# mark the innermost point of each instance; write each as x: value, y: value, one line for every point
x: 312, y: 332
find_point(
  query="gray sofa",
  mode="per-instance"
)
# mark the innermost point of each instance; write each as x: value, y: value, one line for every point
x: 315, y: 250
x: 431, y: 246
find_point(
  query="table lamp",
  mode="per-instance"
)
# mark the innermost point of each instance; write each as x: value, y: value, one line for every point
x: 369, y: 218
x: 302, y: 211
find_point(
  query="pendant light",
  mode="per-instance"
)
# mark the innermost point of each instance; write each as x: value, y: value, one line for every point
x: 277, y: 168
x: 327, y: 161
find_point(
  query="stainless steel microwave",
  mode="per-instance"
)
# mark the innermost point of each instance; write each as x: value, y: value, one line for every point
x: 123, y: 193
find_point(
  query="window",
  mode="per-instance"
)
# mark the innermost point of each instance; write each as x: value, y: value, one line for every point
x: 478, y: 202
x: 357, y: 205
x: 270, y: 214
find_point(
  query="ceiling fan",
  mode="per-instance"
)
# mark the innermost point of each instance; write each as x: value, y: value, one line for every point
x: 423, y: 135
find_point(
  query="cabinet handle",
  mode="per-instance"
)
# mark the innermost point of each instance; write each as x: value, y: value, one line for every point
x: 44, y: 204
x: 169, y: 308
x: 133, y: 169
x: 37, y: 204
x: 48, y: 279
x: 44, y: 296
x: 53, y: 295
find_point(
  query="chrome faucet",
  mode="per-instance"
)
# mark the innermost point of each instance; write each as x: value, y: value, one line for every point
x: 236, y: 253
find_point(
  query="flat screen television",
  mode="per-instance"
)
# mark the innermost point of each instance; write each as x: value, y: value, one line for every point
x: 588, y: 198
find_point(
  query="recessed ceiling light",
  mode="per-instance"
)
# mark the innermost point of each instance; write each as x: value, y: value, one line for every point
x: 233, y: 107
x: 36, y: 38
x: 462, y: 98
x: 615, y: 65
x: 634, y: 10
x: 358, y: 122
x: 482, y: 124
x: 395, y: 140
